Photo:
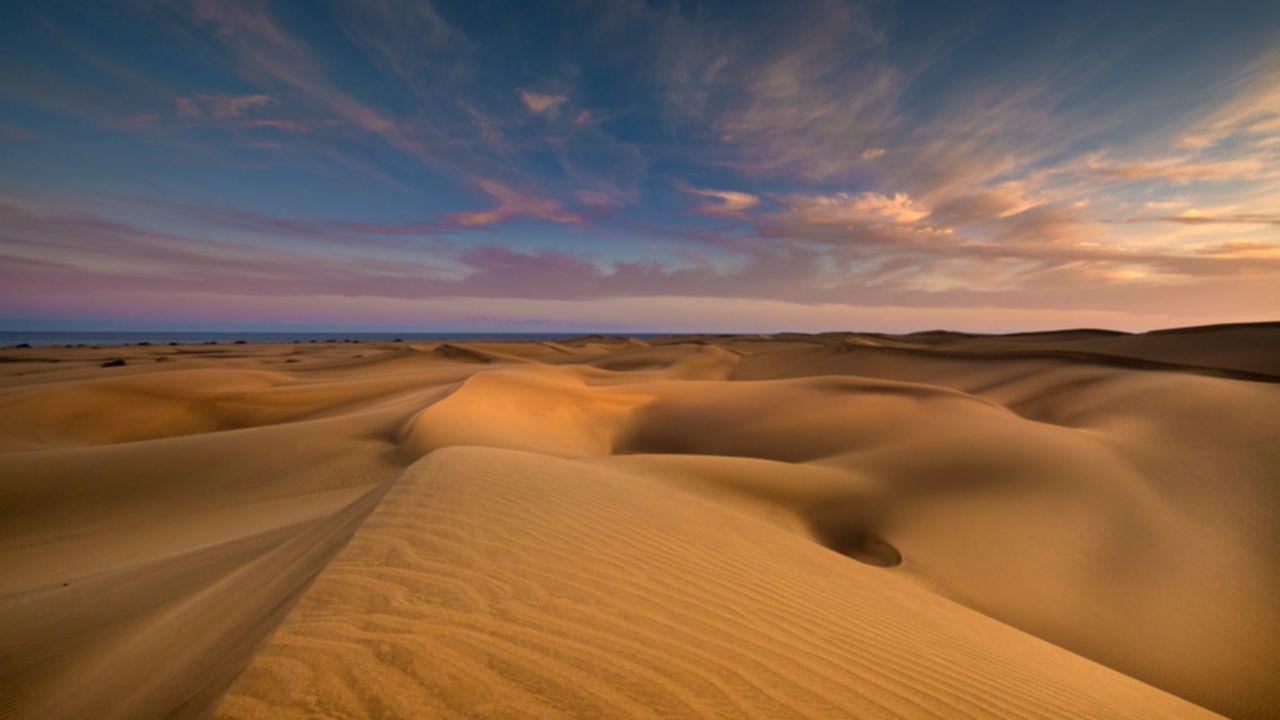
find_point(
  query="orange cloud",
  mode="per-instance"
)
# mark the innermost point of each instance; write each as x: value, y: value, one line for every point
x: 540, y: 103
x: 866, y: 208
x: 1181, y: 171
x: 1242, y: 249
x: 727, y: 202
x: 1193, y: 218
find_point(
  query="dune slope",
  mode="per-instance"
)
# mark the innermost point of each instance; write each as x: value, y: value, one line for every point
x: 496, y: 582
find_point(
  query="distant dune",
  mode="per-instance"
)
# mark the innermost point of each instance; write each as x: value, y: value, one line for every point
x: 1079, y: 524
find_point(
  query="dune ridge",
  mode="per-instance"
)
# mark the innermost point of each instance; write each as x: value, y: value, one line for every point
x: 1059, y: 524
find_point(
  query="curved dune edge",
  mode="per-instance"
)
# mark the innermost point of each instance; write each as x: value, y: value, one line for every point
x: 158, y: 522
x: 499, y: 583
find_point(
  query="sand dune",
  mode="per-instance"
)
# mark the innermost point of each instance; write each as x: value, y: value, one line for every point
x: 1067, y: 524
x: 494, y: 581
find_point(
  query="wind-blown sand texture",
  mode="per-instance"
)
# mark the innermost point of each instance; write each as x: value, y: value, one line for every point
x: 1072, y: 524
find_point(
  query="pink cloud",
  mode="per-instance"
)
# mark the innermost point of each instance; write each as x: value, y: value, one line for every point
x: 511, y: 205
x: 81, y: 262
x: 219, y: 107
x: 290, y: 126
x: 13, y: 133
x: 596, y: 199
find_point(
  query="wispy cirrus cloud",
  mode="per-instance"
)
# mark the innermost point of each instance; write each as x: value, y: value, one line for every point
x: 269, y: 54
x: 280, y: 124
x: 1242, y: 249
x: 1196, y: 218
x: 220, y: 107
x: 780, y: 105
x: 1183, y: 170
x: 1251, y: 112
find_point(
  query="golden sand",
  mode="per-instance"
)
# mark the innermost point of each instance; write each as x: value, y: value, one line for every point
x: 1074, y: 524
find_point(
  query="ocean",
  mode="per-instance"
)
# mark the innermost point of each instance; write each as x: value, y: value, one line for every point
x: 89, y: 338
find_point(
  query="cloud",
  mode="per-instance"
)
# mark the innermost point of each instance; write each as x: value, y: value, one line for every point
x: 138, y: 122
x: 1182, y: 170
x: 848, y: 210
x: 443, y: 117
x: 542, y: 104
x: 52, y: 258
x: 1046, y: 223
x: 268, y: 54
x: 108, y: 255
x: 854, y: 220
x: 1006, y: 190
x: 790, y: 95
x: 983, y: 205
x: 412, y: 43
x: 727, y: 202
x: 1252, y: 111
x: 1243, y: 249
x: 13, y: 133
x: 220, y: 107
x: 339, y: 233
x: 289, y: 126
x: 512, y: 205
x: 597, y: 199
x: 224, y: 111
x: 1192, y: 217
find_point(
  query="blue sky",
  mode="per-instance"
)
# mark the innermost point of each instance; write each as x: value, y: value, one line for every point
x: 639, y: 165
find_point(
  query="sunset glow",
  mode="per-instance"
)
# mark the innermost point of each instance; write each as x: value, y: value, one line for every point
x: 639, y: 166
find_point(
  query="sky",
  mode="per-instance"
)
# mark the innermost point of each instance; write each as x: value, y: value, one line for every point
x: 638, y: 166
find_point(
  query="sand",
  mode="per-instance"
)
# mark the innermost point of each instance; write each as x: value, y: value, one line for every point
x: 1065, y: 524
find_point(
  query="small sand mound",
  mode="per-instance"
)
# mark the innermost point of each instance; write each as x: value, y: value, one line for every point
x: 459, y: 353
